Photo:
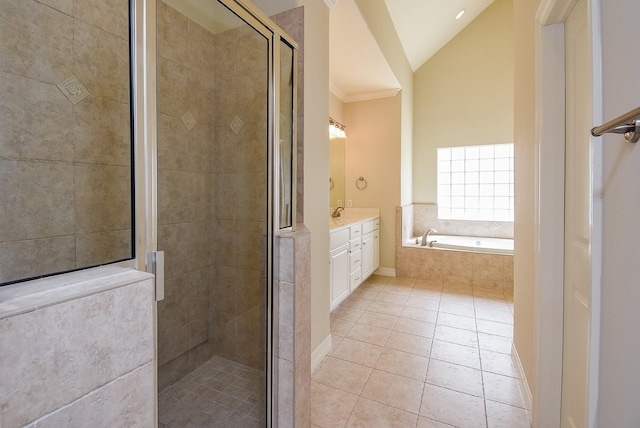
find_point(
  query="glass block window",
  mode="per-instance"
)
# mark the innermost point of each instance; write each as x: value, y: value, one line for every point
x: 476, y: 183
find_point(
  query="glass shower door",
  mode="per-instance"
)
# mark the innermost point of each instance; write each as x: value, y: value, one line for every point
x: 213, y: 220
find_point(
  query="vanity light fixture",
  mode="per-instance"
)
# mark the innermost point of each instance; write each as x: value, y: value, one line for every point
x: 459, y: 15
x: 336, y: 129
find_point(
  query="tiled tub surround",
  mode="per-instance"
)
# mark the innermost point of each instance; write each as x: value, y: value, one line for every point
x: 422, y: 217
x: 418, y: 353
x: 78, y: 351
x: 65, y: 168
x: 455, y: 268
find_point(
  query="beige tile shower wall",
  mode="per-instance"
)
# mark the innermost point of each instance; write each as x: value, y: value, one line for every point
x: 65, y: 169
x: 293, y: 327
x: 186, y: 191
x: 84, y: 362
x: 425, y: 217
x: 237, y: 306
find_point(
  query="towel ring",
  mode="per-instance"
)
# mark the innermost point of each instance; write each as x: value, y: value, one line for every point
x: 330, y: 183
x: 359, y: 184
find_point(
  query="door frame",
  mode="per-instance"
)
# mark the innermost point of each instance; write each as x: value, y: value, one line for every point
x: 550, y: 211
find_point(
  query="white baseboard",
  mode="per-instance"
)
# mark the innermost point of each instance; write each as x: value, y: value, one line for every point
x: 385, y: 271
x: 522, y: 378
x: 320, y: 352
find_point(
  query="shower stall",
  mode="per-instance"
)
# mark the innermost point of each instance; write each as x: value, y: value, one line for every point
x: 225, y: 144
x: 225, y: 116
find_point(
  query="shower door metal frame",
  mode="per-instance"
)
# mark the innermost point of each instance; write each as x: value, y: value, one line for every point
x: 146, y: 154
x: 145, y: 149
x: 254, y: 17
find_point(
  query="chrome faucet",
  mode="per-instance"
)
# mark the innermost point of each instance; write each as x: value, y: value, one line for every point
x: 425, y: 238
x: 336, y: 212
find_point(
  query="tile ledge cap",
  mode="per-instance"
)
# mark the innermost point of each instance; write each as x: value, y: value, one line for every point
x: 30, y: 296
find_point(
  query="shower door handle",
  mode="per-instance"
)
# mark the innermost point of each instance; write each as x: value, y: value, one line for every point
x: 155, y: 265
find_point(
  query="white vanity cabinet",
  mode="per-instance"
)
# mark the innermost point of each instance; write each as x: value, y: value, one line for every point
x: 353, y: 257
x: 339, y: 263
x: 370, y: 247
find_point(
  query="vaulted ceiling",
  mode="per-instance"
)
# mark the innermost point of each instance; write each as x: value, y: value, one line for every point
x: 357, y: 67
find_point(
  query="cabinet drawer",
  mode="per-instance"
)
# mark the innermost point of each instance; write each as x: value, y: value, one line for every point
x: 356, y: 231
x: 338, y: 238
x: 367, y: 227
x: 355, y: 279
x: 355, y: 259
x: 355, y: 245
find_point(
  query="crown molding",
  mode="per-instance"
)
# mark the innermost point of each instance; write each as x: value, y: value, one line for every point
x: 330, y: 3
x: 385, y: 93
x: 337, y: 91
x: 554, y: 11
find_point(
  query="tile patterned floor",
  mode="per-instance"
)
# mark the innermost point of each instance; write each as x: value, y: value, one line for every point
x: 220, y: 393
x: 413, y: 353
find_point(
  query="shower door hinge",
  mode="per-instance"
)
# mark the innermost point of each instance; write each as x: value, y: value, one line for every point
x: 155, y: 265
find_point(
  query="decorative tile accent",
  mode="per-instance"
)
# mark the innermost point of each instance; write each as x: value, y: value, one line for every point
x: 73, y: 89
x: 188, y: 120
x: 236, y: 124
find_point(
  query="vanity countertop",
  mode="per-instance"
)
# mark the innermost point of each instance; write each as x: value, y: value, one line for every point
x: 351, y: 216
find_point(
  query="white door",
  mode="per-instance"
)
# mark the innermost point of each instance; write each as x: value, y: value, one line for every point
x: 579, y: 224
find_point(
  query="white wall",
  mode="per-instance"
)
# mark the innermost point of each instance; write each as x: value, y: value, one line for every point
x: 463, y: 95
x: 316, y: 160
x: 620, y: 342
x: 524, y: 140
x: 377, y: 17
x: 372, y: 150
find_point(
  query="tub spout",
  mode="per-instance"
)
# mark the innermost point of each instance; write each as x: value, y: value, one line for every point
x: 425, y: 238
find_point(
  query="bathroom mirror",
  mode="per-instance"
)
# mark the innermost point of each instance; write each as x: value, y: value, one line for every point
x: 65, y: 137
x: 336, y: 172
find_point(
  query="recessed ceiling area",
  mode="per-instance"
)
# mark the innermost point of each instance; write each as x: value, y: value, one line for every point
x: 357, y: 68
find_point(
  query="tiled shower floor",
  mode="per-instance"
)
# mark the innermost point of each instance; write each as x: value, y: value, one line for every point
x: 411, y: 353
x: 220, y: 393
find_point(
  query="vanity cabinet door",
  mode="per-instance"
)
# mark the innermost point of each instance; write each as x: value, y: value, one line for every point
x: 376, y: 239
x: 368, y: 254
x: 339, y: 267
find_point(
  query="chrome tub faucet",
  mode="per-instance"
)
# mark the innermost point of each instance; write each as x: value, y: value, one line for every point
x: 425, y: 238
